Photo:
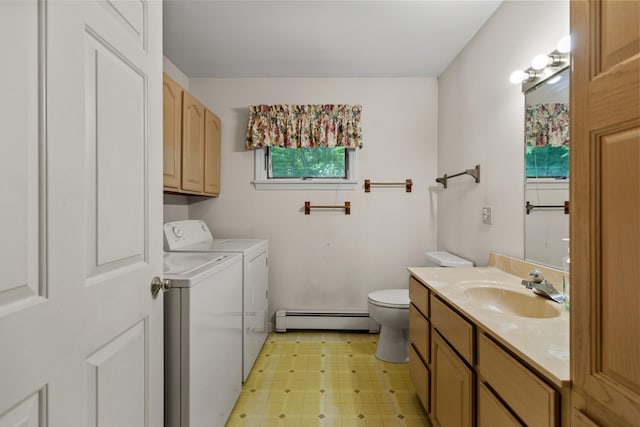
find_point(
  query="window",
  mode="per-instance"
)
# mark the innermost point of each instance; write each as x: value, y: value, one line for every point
x: 320, y: 162
x: 547, y: 161
x: 314, y: 168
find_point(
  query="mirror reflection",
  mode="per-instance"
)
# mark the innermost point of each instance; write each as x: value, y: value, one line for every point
x: 547, y: 170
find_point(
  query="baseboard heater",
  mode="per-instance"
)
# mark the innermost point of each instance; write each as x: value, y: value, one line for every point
x: 326, y: 320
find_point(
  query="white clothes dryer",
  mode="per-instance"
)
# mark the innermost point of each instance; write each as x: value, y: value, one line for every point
x: 195, y: 236
x: 202, y: 337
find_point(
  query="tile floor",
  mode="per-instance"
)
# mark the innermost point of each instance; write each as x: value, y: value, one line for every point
x: 326, y: 379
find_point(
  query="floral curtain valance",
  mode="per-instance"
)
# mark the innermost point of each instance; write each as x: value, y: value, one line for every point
x: 304, y: 126
x: 547, y: 124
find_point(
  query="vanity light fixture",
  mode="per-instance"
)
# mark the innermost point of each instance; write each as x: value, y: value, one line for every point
x: 543, y: 66
x: 564, y: 44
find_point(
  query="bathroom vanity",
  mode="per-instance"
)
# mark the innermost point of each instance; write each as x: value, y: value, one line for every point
x: 486, y: 351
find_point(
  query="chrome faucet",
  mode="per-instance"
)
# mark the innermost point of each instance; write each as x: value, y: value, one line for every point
x: 541, y: 286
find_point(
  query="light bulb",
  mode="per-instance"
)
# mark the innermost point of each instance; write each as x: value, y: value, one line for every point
x: 564, y: 44
x: 539, y: 62
x: 555, y: 79
x: 517, y: 77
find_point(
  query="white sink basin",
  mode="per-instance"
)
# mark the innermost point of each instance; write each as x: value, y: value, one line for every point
x: 497, y: 297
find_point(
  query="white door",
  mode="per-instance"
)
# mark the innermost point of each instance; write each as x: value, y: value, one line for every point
x: 80, y: 211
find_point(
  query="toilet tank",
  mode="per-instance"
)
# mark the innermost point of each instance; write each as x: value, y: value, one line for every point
x: 446, y: 259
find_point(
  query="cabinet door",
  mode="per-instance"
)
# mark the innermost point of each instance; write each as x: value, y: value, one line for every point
x: 192, y: 144
x: 491, y: 412
x: 451, y: 387
x: 419, y: 375
x: 211, y: 153
x: 605, y: 230
x: 172, y: 132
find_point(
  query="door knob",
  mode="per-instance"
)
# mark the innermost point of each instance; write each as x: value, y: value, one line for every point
x: 158, y: 285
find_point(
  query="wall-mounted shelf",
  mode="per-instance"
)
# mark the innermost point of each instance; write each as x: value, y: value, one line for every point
x: 308, y: 206
x: 407, y: 184
x: 475, y: 173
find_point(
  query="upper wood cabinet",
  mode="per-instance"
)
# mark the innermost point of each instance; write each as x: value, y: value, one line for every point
x: 172, y: 133
x: 191, y: 144
x: 211, y: 153
x: 605, y: 230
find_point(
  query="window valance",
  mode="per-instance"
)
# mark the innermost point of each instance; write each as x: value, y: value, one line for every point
x: 304, y: 126
x: 547, y: 124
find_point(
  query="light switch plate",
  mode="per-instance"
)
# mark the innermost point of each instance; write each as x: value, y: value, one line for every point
x: 487, y: 215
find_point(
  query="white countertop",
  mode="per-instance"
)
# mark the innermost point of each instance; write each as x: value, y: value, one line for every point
x: 543, y: 343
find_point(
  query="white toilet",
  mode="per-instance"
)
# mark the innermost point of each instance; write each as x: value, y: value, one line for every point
x: 390, y: 308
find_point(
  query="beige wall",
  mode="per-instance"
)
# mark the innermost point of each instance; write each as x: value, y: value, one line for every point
x: 481, y: 120
x: 328, y: 260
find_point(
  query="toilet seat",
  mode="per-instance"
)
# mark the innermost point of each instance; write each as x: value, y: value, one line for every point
x: 390, y: 298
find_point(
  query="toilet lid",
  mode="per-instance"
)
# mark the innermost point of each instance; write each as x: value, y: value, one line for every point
x: 395, y: 298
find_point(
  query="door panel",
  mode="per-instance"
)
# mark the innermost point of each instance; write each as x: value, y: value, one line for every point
x: 605, y: 233
x: 20, y: 159
x: 116, y: 147
x: 131, y: 14
x: 620, y: 157
x: 28, y: 413
x: 82, y: 190
x: 116, y: 392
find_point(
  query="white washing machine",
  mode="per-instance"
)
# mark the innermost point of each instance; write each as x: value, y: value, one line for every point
x: 202, y: 338
x: 194, y: 236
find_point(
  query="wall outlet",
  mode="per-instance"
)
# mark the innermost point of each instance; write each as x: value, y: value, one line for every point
x: 487, y: 215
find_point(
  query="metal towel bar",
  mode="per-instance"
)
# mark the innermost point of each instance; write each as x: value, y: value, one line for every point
x: 346, y: 207
x: 475, y: 173
x: 529, y: 207
x: 407, y: 183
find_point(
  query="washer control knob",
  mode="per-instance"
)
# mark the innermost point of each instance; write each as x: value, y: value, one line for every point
x: 177, y: 231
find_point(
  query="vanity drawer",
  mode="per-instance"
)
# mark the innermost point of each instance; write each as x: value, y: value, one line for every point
x: 535, y: 402
x: 453, y: 327
x: 419, y: 295
x: 420, y: 378
x: 419, y: 333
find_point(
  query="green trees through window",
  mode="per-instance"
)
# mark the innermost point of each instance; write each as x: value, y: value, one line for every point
x: 318, y: 162
x: 547, y: 161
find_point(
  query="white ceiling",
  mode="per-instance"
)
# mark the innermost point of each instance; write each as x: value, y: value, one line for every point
x: 304, y: 38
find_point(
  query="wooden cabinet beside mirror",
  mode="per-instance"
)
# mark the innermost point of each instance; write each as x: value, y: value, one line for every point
x: 191, y: 141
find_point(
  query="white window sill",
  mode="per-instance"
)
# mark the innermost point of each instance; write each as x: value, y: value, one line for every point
x: 305, y: 184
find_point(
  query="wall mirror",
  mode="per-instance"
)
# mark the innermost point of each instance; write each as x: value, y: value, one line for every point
x: 546, y: 142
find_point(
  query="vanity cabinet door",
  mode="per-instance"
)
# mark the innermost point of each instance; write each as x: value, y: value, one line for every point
x: 451, y: 387
x: 420, y: 377
x: 491, y: 412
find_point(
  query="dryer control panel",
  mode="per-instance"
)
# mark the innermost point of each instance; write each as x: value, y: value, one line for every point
x: 178, y: 234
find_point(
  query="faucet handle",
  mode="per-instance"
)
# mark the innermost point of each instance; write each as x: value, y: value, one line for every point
x: 536, y: 276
